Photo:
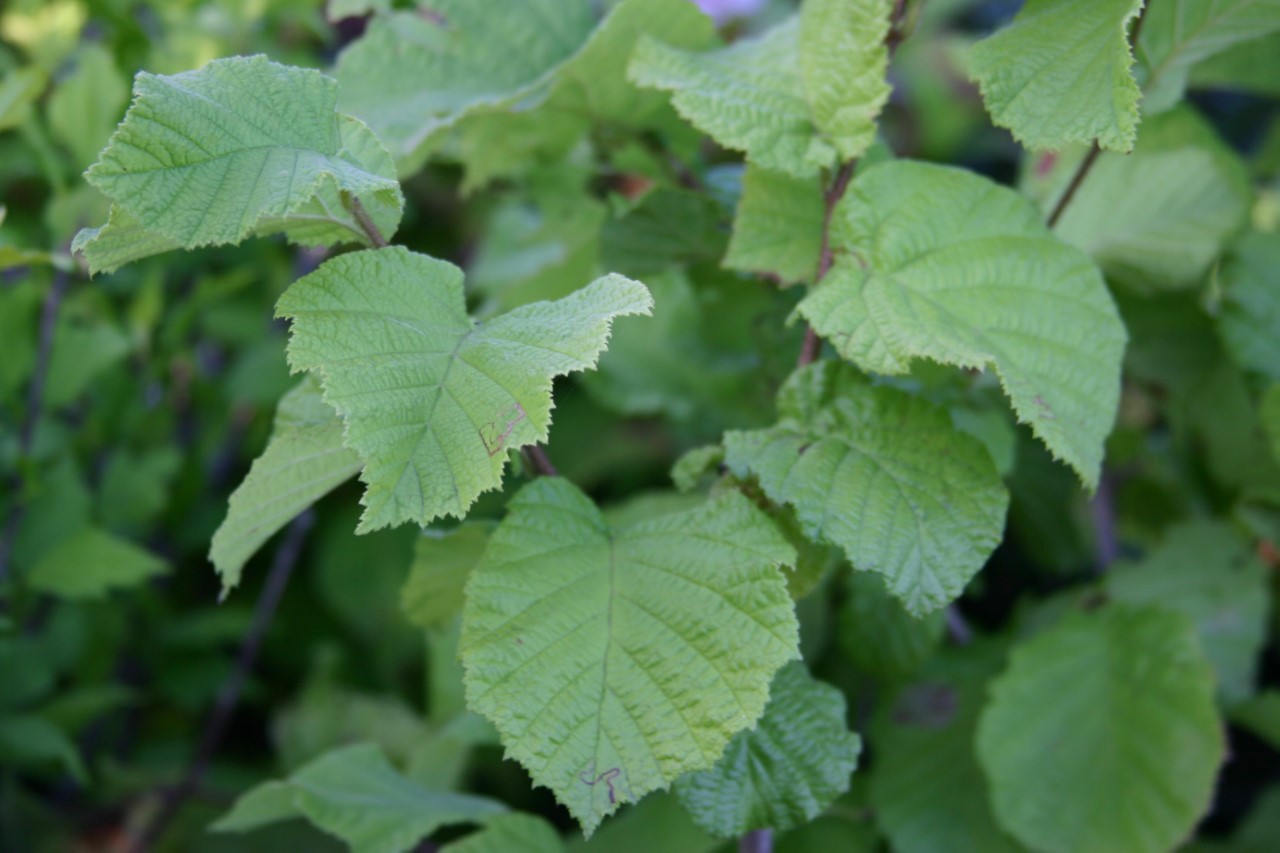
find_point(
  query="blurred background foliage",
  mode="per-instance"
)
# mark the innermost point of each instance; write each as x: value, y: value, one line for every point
x: 162, y: 379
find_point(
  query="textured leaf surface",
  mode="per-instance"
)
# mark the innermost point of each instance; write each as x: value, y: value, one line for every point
x: 321, y: 220
x: 91, y: 563
x: 614, y: 661
x: 843, y: 63
x: 1158, y: 218
x: 796, y: 99
x: 1205, y: 571
x: 1177, y: 34
x: 1060, y: 74
x: 778, y: 226
x: 883, y: 475
x: 783, y: 772
x: 939, y: 263
x: 413, y: 74
x: 927, y: 789
x: 1137, y: 740
x: 442, y: 562
x: 433, y: 400
x: 208, y: 156
x: 303, y: 462
x: 1250, y: 315
x: 354, y: 794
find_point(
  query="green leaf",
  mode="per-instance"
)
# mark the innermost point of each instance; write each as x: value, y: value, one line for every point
x: 778, y: 226
x: 798, y: 99
x: 86, y: 105
x: 354, y: 794
x: 1060, y: 74
x: 303, y: 462
x: 1261, y: 715
x: 927, y: 790
x: 208, y: 156
x: 83, y: 352
x: 882, y: 474
x: 90, y: 564
x: 1206, y: 571
x: 658, y: 822
x: 940, y: 263
x: 879, y: 637
x: 1158, y: 218
x: 844, y: 58
x: 442, y: 562
x: 412, y: 75
x: 1137, y: 742
x: 1253, y: 66
x: 668, y: 227
x: 1250, y: 316
x: 695, y: 464
x: 613, y: 661
x: 1177, y: 34
x: 28, y: 740
x: 19, y: 89
x: 433, y: 400
x: 321, y: 220
x: 783, y: 772
x: 507, y: 832
x: 1270, y: 416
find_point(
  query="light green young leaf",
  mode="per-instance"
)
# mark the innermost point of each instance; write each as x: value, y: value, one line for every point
x: 1158, y: 218
x: 1177, y: 34
x: 694, y: 465
x: 320, y: 221
x: 508, y: 832
x: 1206, y: 571
x: 354, y: 794
x: 1250, y: 315
x: 927, y: 790
x: 412, y: 74
x: 783, y: 772
x: 90, y: 564
x: 442, y: 562
x: 940, y: 263
x: 749, y: 96
x: 303, y: 462
x: 1060, y: 74
x: 85, y: 106
x: 209, y: 156
x: 844, y: 59
x: 778, y: 226
x: 613, y: 661
x: 1140, y: 697
x: 883, y: 475
x: 433, y: 400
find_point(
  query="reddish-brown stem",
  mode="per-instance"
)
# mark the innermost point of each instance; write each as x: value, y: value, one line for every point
x: 286, y: 557
x: 826, y: 256
x: 365, y: 221
x: 537, y: 460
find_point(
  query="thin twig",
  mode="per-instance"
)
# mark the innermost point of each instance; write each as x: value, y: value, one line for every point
x: 365, y: 221
x: 1086, y: 165
x: 826, y: 257
x: 958, y: 627
x: 286, y: 557
x: 35, y: 404
x: 1076, y: 180
x: 756, y: 841
x: 1102, y: 508
x: 538, y: 462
